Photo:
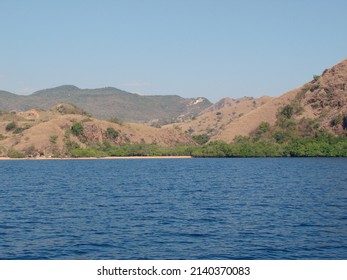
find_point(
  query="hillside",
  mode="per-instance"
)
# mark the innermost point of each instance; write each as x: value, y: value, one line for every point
x: 325, y: 99
x: 217, y: 117
x: 322, y: 100
x: 106, y: 103
x: 64, y: 129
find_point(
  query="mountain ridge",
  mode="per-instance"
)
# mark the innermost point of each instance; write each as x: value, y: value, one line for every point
x: 109, y: 102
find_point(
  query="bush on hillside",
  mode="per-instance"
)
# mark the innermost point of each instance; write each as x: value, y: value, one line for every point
x: 112, y: 133
x: 11, y: 126
x: 15, y: 154
x: 201, y: 138
x: 77, y: 129
x: 287, y: 111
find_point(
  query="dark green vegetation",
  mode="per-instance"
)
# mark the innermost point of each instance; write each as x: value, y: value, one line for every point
x: 132, y: 150
x: 322, y: 145
x: 112, y: 133
x: 201, y: 138
x: 106, y: 103
x: 12, y: 126
x: 77, y: 129
x: 15, y: 154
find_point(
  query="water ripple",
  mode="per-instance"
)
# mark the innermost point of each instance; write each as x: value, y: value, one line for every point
x: 174, y: 209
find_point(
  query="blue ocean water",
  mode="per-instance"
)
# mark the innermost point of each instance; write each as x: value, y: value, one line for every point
x: 274, y: 208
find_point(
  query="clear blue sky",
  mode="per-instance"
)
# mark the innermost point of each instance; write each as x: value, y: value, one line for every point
x: 215, y: 48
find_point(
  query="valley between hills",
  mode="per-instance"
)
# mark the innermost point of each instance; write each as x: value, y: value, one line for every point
x: 66, y: 121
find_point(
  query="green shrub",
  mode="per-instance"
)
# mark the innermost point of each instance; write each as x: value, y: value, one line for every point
x: 264, y: 127
x: 281, y: 136
x: 77, y: 129
x: 201, y: 138
x: 71, y: 145
x: 112, y: 133
x: 336, y: 120
x: 287, y: 111
x: 316, y: 77
x: 11, y: 126
x: 15, y: 154
x: 18, y: 130
x: 87, y: 152
x: 56, y: 153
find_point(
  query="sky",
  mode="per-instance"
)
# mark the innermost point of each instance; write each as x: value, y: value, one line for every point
x: 191, y: 48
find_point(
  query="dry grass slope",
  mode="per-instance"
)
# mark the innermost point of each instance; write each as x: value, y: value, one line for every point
x: 323, y: 99
x: 215, y: 119
x: 39, y: 133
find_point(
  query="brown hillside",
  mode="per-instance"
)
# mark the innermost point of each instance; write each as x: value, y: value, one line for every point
x: 323, y: 99
x: 326, y: 98
x: 46, y: 133
x: 218, y: 116
x: 250, y: 121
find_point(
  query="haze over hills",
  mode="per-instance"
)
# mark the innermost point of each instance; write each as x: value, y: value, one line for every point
x: 106, y: 103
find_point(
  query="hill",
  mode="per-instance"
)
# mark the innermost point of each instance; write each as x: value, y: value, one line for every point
x: 213, y: 120
x: 66, y: 130
x: 106, y: 103
x: 308, y: 121
x: 322, y: 100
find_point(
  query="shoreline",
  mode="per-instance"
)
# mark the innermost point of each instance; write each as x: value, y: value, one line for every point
x: 93, y: 158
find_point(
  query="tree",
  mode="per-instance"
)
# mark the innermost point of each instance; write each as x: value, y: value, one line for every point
x: 264, y: 127
x: 112, y: 133
x: 10, y: 126
x: 287, y: 111
x: 201, y: 138
x: 316, y: 77
x: 77, y: 129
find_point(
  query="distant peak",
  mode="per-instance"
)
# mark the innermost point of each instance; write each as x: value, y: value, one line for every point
x: 67, y: 87
x: 64, y: 89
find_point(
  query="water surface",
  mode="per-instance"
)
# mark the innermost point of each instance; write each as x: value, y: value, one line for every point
x: 279, y: 208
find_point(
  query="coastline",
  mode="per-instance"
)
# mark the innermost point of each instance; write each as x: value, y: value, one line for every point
x: 93, y: 158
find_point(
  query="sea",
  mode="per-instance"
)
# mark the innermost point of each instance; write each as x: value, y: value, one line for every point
x: 180, y: 209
